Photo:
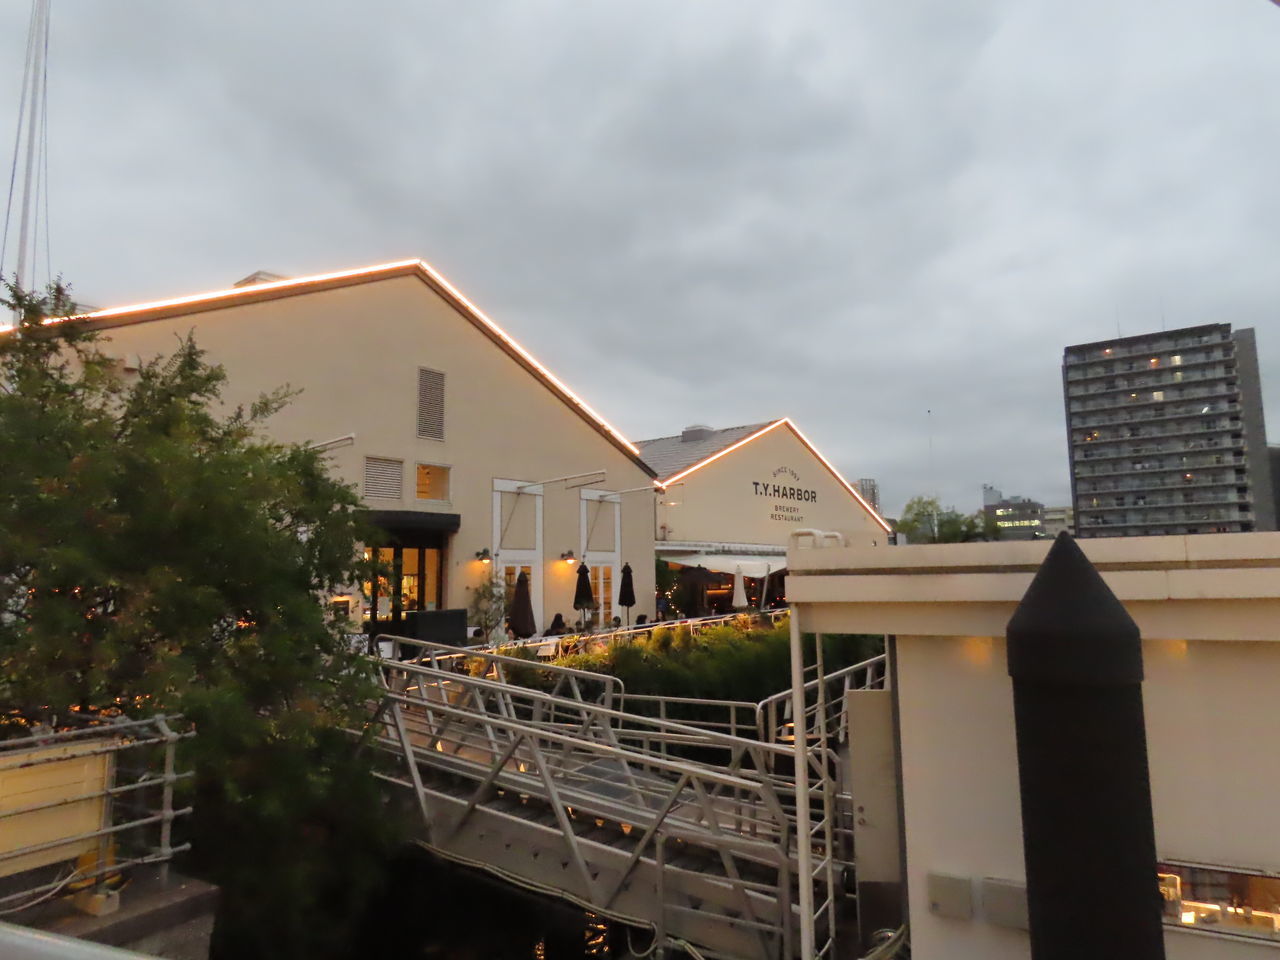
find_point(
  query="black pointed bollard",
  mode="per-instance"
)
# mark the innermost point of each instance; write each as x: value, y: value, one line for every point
x: 1075, y: 657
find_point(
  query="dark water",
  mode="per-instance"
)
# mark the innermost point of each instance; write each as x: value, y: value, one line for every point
x: 438, y: 910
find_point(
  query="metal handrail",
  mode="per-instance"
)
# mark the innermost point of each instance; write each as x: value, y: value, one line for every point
x: 451, y: 728
x: 23, y: 943
x: 617, y: 718
x: 109, y: 739
x: 725, y: 784
x: 767, y: 724
x: 438, y: 653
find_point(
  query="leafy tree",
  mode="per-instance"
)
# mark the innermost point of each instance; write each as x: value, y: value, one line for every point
x: 488, y: 606
x: 924, y: 521
x: 156, y: 555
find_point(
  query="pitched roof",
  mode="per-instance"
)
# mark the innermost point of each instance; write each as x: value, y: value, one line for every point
x: 275, y: 289
x: 664, y: 455
x: 669, y: 455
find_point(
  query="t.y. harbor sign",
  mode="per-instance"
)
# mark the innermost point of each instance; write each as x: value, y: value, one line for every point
x: 783, y: 490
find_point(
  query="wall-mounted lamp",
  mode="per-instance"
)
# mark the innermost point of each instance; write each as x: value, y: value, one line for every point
x: 483, y: 555
x: 567, y: 556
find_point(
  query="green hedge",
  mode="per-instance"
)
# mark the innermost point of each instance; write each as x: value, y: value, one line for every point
x: 731, y: 662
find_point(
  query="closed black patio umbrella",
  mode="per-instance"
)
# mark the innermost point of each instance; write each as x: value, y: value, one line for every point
x: 583, y: 599
x: 522, y: 624
x: 627, y: 591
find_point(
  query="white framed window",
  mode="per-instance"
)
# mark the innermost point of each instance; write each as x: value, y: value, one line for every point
x: 383, y: 478
x: 510, y: 571
x: 602, y: 591
x: 517, y: 538
x: 430, y: 404
x: 431, y: 481
x: 600, y: 542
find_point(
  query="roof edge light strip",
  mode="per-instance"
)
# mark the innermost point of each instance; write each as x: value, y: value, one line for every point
x: 241, y: 291
x: 430, y: 271
x: 803, y: 439
x: 839, y: 476
x: 527, y: 356
x: 723, y: 453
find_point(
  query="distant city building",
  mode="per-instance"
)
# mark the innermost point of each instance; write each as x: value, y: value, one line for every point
x: 1058, y: 519
x: 1017, y: 517
x: 870, y: 491
x: 1273, y: 456
x: 1166, y: 434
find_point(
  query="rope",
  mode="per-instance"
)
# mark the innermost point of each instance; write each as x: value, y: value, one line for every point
x: 44, y: 153
x: 17, y: 136
x: 891, y: 947
x: 48, y: 895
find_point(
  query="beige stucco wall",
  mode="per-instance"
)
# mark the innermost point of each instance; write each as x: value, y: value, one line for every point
x: 354, y: 352
x: 960, y: 785
x: 1210, y: 702
x: 723, y: 502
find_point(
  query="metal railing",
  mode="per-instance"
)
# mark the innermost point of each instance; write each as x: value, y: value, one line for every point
x: 113, y: 812
x: 502, y: 736
x: 769, y: 720
x: 491, y: 744
x: 23, y: 943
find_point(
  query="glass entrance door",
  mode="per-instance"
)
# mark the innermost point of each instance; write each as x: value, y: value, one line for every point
x: 402, y: 580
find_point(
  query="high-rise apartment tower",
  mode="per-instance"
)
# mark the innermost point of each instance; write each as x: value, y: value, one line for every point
x: 1166, y: 434
x: 870, y: 491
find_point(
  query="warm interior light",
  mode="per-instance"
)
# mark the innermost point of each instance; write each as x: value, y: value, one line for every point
x: 567, y: 556
x: 483, y: 555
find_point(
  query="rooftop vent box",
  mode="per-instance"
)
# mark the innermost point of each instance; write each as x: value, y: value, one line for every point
x: 259, y: 276
x: 699, y: 431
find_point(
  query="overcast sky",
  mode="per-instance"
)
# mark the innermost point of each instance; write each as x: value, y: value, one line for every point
x: 716, y: 211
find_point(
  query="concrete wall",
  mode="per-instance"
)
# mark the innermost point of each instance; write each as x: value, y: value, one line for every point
x: 354, y: 352
x: 1209, y: 610
x: 732, y: 499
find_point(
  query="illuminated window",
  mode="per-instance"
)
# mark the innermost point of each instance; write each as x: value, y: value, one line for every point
x: 433, y: 482
x: 1157, y: 394
x: 602, y: 590
x: 509, y: 574
x: 1176, y: 359
x: 1222, y: 900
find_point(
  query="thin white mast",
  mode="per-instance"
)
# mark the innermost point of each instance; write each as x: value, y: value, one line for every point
x: 37, y: 45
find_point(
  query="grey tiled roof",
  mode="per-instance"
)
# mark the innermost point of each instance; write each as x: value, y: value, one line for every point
x: 669, y: 455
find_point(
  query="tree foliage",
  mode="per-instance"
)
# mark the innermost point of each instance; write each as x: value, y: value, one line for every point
x: 488, y: 607
x: 733, y: 661
x: 157, y: 553
x: 924, y: 521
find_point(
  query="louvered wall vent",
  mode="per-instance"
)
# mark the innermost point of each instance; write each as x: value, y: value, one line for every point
x: 430, y: 404
x: 383, y: 478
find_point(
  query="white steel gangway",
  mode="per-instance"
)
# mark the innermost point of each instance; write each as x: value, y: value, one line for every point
x: 683, y: 822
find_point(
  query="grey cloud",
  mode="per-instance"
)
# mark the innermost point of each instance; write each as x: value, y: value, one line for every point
x: 719, y: 211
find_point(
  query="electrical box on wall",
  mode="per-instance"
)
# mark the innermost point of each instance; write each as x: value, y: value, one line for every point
x: 1004, y: 903
x: 950, y: 896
